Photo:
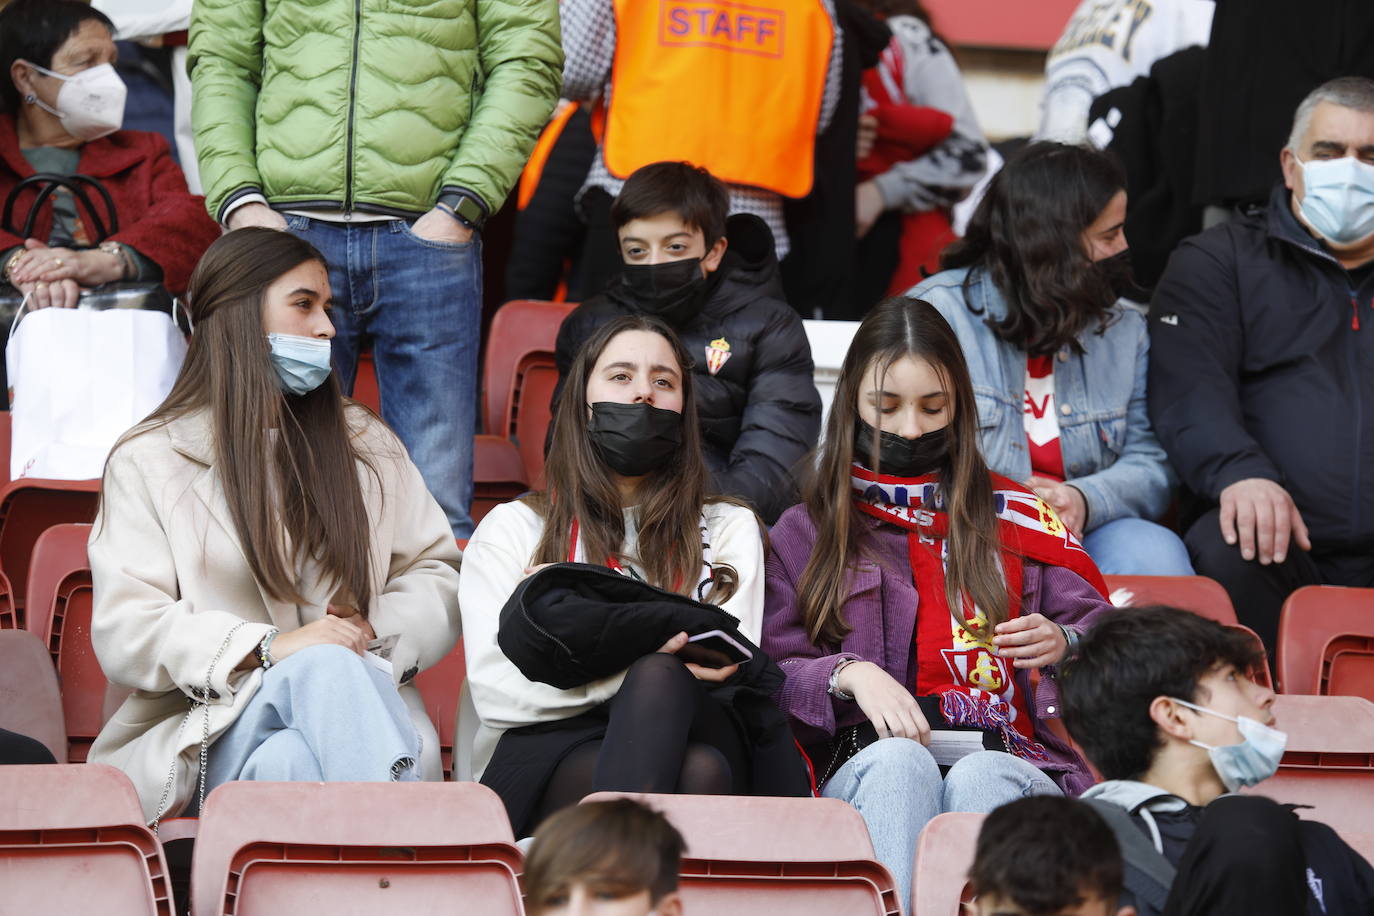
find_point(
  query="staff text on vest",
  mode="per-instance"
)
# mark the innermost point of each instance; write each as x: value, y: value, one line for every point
x: 728, y: 26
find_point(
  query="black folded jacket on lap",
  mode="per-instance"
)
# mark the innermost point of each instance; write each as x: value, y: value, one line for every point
x: 572, y: 623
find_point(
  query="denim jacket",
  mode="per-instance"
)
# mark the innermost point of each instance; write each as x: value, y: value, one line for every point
x: 1110, y: 453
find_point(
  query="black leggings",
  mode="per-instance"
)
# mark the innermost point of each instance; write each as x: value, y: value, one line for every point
x: 21, y: 749
x: 665, y: 734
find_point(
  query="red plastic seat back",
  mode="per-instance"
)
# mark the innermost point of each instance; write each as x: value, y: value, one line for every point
x: 355, y: 848
x: 365, y: 388
x: 28, y: 507
x: 440, y: 686
x: 1350, y: 672
x: 72, y: 840
x: 773, y: 855
x: 1341, y: 799
x: 1319, y: 621
x: 1328, y: 732
x: 30, y: 700
x: 498, y: 474
x: 1199, y: 594
x: 520, y: 375
x: 60, y: 603
x: 944, y: 855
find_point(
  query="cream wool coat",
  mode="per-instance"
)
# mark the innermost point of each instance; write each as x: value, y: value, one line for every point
x: 173, y: 591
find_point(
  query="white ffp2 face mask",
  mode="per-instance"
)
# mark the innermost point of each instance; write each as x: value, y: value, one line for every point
x: 90, y: 103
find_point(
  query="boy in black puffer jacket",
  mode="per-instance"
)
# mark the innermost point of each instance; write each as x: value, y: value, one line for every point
x: 715, y: 281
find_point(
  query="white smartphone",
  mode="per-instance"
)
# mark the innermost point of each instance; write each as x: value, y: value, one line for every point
x: 714, y: 649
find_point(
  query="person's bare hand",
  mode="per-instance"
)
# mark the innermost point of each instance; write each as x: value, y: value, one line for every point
x: 887, y: 704
x: 531, y: 570
x: 710, y: 675
x: 329, y: 630
x: 1261, y: 517
x: 63, y: 294
x: 351, y: 614
x: 1032, y: 641
x: 1066, y: 500
x: 868, y: 206
x: 438, y: 226
x: 868, y: 133
x: 256, y: 214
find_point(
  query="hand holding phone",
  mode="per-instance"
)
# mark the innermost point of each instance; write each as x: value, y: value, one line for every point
x: 714, y: 649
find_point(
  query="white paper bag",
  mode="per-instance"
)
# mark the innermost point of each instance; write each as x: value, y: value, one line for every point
x: 79, y: 379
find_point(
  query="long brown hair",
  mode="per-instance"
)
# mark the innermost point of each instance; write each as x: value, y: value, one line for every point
x: 895, y: 328
x: 306, y: 481
x: 581, y: 486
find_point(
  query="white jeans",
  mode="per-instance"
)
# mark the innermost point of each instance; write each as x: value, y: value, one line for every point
x: 896, y: 786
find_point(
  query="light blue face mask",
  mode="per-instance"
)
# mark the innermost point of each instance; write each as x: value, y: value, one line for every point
x: 302, y: 363
x: 1338, y: 198
x: 1252, y: 761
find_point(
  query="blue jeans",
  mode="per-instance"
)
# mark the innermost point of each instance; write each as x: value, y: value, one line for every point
x: 419, y: 304
x: 321, y: 715
x: 1135, y: 547
x: 896, y: 786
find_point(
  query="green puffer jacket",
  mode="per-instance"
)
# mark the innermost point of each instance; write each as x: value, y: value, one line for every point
x: 376, y: 105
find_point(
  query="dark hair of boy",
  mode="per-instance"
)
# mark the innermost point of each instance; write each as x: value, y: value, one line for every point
x: 620, y: 847
x: 694, y: 194
x: 1128, y: 660
x: 1047, y: 854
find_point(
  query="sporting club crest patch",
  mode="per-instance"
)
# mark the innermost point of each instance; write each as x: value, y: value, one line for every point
x: 717, y: 352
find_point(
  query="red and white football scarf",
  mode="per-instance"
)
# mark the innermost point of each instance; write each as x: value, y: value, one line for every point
x: 956, y: 662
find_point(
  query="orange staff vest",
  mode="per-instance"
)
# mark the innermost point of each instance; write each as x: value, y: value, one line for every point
x: 734, y: 87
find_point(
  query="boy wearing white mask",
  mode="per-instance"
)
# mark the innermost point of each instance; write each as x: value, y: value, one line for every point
x: 1261, y: 350
x: 1163, y: 704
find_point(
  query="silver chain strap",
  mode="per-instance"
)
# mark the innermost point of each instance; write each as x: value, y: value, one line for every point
x: 201, y: 702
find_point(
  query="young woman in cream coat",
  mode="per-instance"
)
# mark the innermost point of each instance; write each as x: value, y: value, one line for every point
x: 255, y: 533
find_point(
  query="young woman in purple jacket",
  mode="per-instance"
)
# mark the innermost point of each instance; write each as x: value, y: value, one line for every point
x: 916, y: 590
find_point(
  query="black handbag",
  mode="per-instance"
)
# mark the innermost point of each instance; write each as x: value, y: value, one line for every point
x: 118, y: 295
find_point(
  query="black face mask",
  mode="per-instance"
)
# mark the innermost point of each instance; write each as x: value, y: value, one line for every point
x: 898, y: 456
x: 1117, y: 273
x: 634, y: 438
x: 673, y: 290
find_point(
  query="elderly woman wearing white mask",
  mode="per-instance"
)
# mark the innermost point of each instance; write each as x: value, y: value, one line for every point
x: 63, y: 105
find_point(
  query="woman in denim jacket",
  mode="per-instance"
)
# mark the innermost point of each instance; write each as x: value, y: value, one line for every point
x: 1058, y: 360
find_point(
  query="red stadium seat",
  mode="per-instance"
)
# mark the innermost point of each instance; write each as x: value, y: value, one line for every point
x: 1326, y: 638
x: 59, y: 606
x: 520, y: 375
x: 1327, y: 732
x: 30, y: 700
x: 5, y: 445
x: 440, y: 686
x: 72, y: 840
x: 1199, y: 594
x: 799, y: 856
x: 365, y: 389
x: 498, y: 474
x: 28, y: 507
x: 354, y: 848
x: 944, y: 855
x: 1341, y: 799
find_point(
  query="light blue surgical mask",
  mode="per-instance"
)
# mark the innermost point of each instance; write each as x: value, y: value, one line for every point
x: 1338, y: 198
x: 1252, y: 761
x: 302, y: 363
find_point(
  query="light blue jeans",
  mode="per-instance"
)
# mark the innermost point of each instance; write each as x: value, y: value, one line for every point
x: 1136, y: 547
x: 896, y: 786
x: 321, y: 715
x: 419, y: 304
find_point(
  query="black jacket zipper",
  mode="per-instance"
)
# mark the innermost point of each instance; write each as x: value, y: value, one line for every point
x: 352, y: 105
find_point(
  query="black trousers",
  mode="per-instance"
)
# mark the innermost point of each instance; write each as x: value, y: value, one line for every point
x: 21, y: 749
x: 1258, y: 591
x: 601, y: 260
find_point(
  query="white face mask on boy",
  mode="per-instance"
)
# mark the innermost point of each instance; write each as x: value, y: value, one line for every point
x: 90, y: 103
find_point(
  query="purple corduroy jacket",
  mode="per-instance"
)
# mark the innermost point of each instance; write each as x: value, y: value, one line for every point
x: 881, y: 610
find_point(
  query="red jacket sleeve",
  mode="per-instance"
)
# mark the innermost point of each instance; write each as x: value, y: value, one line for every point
x: 175, y: 229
